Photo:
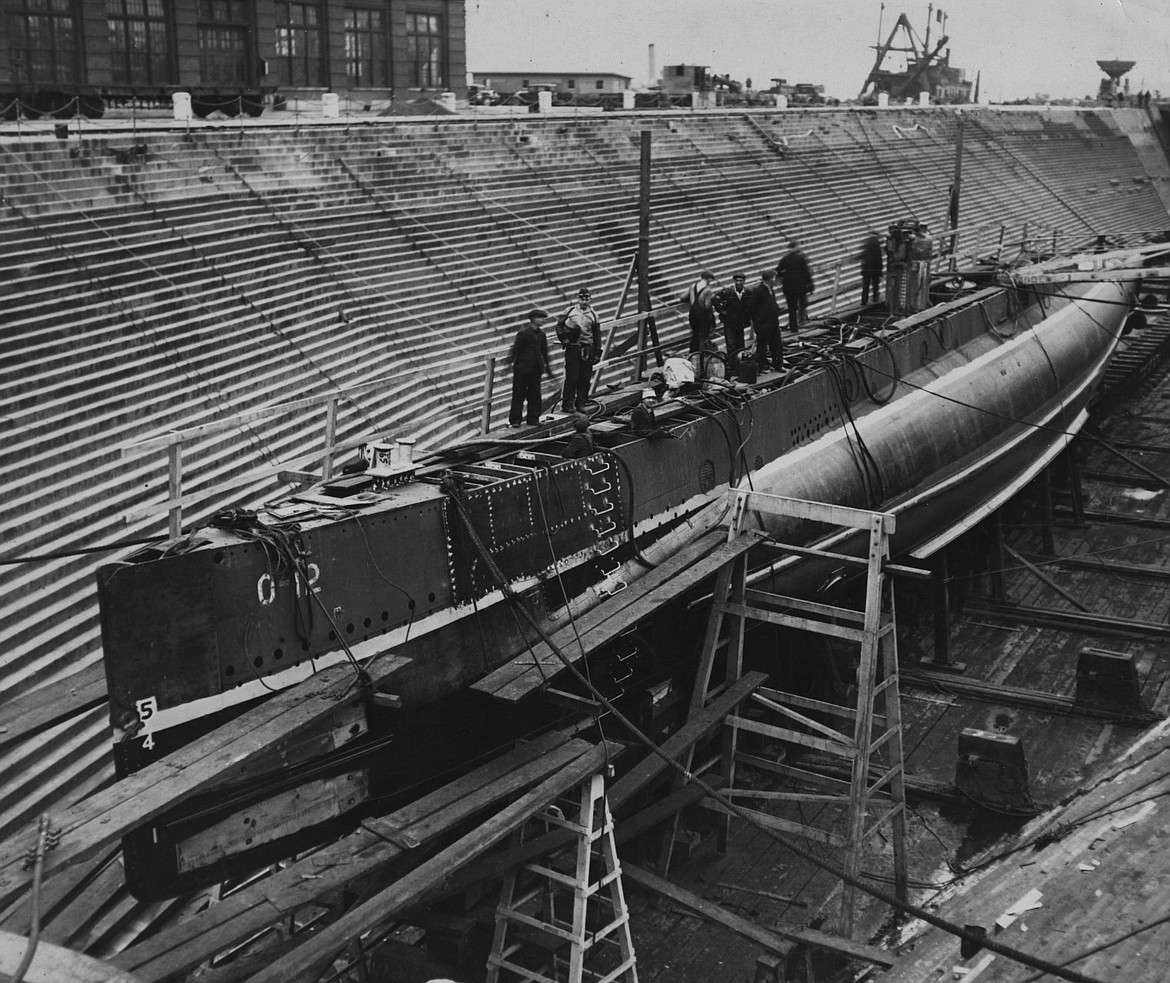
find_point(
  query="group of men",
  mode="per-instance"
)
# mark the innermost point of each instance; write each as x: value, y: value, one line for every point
x: 738, y: 307
x: 758, y: 307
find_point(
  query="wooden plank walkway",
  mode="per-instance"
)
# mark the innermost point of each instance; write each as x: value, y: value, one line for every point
x: 689, y: 567
x: 306, y: 962
x: 367, y: 851
x: 100, y: 820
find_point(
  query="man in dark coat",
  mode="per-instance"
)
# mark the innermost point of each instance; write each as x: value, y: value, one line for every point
x: 765, y: 315
x: 529, y: 357
x: 731, y: 304
x: 579, y: 333
x: 871, y: 267
x: 700, y: 312
x: 797, y: 283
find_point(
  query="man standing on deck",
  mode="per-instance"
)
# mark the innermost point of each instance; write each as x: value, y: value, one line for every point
x: 731, y: 304
x: 529, y: 357
x: 700, y: 313
x: 579, y: 333
x: 765, y: 316
x: 871, y: 267
x: 797, y: 282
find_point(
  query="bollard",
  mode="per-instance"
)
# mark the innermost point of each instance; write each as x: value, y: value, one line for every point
x: 181, y: 105
x: 991, y: 769
x: 1107, y: 678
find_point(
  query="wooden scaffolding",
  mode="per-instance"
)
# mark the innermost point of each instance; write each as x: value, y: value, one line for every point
x: 564, y: 917
x: 873, y: 749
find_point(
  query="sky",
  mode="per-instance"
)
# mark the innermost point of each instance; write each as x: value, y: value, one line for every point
x: 1021, y: 48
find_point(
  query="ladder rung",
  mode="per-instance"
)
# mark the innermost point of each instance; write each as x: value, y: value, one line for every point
x: 884, y: 780
x: 792, y: 621
x: 881, y: 741
x: 602, y: 934
x: 612, y: 975
x: 882, y: 820
x: 528, y: 975
x: 512, y: 915
x: 759, y: 598
x: 799, y: 829
x: 793, y: 736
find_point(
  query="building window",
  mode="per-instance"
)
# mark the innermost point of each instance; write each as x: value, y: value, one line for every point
x: 367, y: 48
x: 600, y: 84
x: 425, y: 51
x: 225, y: 31
x: 571, y: 83
x: 299, y: 44
x: 140, y: 48
x: 43, y: 45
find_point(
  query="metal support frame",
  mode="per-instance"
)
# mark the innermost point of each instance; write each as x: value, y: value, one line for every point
x: 878, y: 706
x: 566, y: 919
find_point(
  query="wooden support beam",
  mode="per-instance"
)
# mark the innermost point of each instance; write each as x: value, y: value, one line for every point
x: 1034, y: 699
x: 173, y: 952
x: 306, y: 963
x: 1098, y: 624
x: 942, y: 607
x: 779, y: 941
x: 52, y: 963
x: 1123, y: 518
x: 1102, y: 565
x: 689, y: 567
x: 1040, y: 575
x: 100, y: 820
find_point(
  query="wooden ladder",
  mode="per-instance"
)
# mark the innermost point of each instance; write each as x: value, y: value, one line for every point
x: 874, y: 784
x: 564, y: 919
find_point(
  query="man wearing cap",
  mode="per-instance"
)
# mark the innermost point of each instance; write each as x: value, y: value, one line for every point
x: 642, y: 420
x: 871, y: 266
x: 529, y: 358
x: 797, y: 283
x: 581, y: 443
x: 579, y: 333
x: 731, y: 304
x: 765, y: 314
x: 700, y: 312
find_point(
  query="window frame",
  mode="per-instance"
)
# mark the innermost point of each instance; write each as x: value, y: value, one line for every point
x: 298, y: 65
x: 415, y: 63
x: 354, y: 51
x: 159, y: 68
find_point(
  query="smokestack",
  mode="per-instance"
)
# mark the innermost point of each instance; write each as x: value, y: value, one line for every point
x: 653, y: 71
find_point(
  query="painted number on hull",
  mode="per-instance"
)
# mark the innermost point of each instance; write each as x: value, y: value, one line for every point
x: 266, y: 585
x: 146, y: 710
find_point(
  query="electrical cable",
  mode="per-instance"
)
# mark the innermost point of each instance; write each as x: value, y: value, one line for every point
x: 44, y: 842
x: 81, y: 551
